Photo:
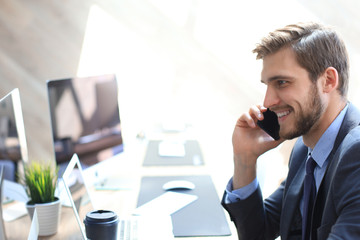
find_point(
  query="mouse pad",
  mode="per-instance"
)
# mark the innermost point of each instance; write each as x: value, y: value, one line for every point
x: 193, y: 155
x: 203, y: 217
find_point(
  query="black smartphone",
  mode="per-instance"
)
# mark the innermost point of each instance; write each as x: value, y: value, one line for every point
x: 270, y: 124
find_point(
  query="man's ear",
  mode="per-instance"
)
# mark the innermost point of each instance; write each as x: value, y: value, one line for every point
x: 330, y: 80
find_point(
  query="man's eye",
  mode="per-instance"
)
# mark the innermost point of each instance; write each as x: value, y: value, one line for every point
x: 281, y: 83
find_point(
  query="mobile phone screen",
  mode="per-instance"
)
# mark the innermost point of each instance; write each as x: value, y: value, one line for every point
x: 270, y: 124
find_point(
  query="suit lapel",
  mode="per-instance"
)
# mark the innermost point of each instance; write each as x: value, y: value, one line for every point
x: 291, y: 202
x: 293, y: 191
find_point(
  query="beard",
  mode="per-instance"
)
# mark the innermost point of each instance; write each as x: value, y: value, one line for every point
x: 307, y: 116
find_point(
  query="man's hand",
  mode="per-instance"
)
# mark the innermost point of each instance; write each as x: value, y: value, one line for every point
x: 249, y: 142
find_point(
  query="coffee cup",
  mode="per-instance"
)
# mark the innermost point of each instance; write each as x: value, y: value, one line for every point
x: 101, y: 224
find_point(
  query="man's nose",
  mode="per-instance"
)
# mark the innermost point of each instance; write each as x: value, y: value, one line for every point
x: 271, y: 98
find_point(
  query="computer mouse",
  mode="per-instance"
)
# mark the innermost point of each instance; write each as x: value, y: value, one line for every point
x: 178, y: 185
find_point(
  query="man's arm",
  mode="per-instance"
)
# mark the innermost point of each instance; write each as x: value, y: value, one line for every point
x: 255, y: 218
x: 249, y: 215
x: 232, y: 196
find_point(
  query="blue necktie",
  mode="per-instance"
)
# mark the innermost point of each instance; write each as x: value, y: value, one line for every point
x: 309, y: 198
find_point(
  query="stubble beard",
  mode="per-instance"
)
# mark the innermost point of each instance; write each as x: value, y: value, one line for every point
x: 307, y: 116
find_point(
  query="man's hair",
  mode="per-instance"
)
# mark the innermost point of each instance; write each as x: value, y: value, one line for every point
x: 316, y: 48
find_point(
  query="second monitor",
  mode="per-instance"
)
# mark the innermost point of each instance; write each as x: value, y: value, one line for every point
x: 85, y: 118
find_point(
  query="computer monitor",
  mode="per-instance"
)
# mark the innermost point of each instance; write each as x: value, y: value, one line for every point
x: 85, y: 119
x: 13, y: 146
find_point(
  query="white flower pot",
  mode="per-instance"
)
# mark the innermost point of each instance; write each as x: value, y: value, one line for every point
x: 48, y: 216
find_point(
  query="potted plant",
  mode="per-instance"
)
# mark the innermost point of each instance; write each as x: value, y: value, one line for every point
x: 40, y: 180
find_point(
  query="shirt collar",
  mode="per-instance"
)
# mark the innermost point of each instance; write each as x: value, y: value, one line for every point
x: 325, y: 144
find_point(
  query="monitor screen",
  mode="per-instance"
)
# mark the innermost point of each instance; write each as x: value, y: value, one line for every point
x: 13, y: 146
x: 85, y: 118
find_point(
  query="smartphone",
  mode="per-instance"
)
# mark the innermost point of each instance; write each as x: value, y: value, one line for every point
x: 270, y: 124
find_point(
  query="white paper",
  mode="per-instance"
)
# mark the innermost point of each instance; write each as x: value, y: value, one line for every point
x: 13, y: 211
x: 166, y: 204
x: 15, y: 191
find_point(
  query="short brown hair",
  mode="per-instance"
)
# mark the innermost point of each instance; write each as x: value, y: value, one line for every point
x: 316, y: 48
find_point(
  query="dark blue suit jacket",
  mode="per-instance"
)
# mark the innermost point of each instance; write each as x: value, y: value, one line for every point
x: 337, y: 205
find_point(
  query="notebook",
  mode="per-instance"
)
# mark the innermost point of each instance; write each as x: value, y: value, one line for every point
x: 34, y: 228
x: 76, y: 192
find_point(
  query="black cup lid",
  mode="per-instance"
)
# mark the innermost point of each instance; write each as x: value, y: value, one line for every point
x: 101, y: 216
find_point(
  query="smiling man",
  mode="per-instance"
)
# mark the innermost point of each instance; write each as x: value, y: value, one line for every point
x: 306, y: 71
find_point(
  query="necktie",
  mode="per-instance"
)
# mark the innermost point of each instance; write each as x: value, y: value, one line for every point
x: 309, y: 197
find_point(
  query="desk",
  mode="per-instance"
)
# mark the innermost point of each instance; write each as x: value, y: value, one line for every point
x: 123, y: 202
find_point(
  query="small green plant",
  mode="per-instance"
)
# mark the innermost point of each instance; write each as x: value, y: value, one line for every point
x: 40, y: 182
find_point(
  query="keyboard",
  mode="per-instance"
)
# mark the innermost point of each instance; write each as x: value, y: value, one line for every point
x: 128, y: 229
x: 145, y: 228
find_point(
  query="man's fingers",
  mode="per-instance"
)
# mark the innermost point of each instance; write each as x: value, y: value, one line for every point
x: 256, y: 112
x: 250, y: 118
x: 246, y: 120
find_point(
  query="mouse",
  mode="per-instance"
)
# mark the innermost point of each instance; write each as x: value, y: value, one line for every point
x: 178, y: 185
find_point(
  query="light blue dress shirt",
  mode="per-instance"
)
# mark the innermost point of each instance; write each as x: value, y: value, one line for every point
x: 320, y: 154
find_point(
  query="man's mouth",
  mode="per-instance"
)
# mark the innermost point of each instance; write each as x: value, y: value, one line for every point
x: 283, y: 113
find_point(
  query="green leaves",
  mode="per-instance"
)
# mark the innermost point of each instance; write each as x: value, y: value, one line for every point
x: 40, y: 181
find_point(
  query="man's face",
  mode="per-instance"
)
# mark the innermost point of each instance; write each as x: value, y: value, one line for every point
x: 291, y: 94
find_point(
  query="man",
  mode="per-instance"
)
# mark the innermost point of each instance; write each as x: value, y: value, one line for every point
x: 305, y: 69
